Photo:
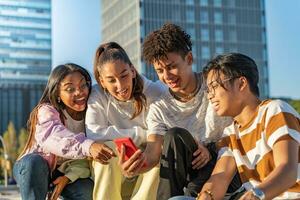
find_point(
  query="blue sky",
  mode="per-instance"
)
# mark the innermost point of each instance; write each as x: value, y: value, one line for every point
x: 76, y: 35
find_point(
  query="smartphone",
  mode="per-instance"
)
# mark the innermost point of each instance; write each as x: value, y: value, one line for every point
x: 130, y: 147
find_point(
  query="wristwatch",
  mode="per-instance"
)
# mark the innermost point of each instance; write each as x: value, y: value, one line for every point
x: 258, y: 193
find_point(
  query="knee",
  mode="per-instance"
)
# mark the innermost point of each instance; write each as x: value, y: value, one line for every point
x: 34, y: 164
x: 175, y: 133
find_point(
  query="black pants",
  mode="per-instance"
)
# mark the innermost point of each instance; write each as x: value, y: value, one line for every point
x: 176, y: 172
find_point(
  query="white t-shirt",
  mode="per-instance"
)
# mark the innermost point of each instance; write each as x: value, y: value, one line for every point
x: 197, y: 116
x: 108, y: 118
x: 76, y: 126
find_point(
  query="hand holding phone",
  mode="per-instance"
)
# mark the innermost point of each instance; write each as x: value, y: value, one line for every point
x: 129, y: 147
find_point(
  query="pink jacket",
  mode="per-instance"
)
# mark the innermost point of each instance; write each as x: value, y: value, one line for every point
x: 54, y: 139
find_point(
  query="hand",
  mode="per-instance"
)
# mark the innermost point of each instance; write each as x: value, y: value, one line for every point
x: 59, y: 183
x: 202, y: 157
x: 132, y: 166
x: 101, y: 153
x: 249, y: 196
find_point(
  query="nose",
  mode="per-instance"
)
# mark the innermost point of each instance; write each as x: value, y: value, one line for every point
x: 119, y: 85
x: 167, y: 74
x: 209, y: 95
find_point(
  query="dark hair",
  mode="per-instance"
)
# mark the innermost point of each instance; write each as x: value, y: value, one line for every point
x: 169, y: 38
x: 50, y: 96
x: 110, y: 52
x: 234, y: 65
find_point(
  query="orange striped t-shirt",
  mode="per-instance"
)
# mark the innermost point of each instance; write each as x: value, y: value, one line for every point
x: 251, y: 145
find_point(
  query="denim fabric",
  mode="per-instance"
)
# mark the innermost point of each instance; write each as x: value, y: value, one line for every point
x: 33, y: 177
x: 182, y: 198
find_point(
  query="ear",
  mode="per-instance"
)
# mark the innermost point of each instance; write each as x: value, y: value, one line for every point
x: 189, y: 58
x: 133, y: 71
x: 102, y: 83
x: 243, y: 83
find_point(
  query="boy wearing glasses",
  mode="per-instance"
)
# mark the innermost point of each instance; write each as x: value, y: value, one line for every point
x: 182, y: 126
x: 262, y: 142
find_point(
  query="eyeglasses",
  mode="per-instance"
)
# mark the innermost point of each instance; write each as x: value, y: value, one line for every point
x: 213, y: 85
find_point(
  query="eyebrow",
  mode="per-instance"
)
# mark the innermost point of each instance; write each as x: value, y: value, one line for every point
x: 125, y: 70
x: 70, y: 83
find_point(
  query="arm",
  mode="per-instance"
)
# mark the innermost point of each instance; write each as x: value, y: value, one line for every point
x: 285, y: 153
x: 220, y: 178
x: 75, y: 169
x: 98, y: 126
x: 54, y: 137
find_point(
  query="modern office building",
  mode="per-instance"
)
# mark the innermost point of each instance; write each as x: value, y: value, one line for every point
x: 25, y: 57
x: 215, y: 26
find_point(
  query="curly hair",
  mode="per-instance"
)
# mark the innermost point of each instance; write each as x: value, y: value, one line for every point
x: 169, y: 38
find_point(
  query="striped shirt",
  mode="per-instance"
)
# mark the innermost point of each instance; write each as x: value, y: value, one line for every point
x: 252, y: 145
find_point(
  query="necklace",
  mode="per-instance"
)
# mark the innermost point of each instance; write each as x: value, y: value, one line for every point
x: 191, y: 95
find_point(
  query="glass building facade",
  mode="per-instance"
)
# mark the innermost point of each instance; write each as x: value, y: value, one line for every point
x: 215, y: 26
x: 25, y: 57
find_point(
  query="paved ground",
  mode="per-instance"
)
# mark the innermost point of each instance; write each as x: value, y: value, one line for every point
x: 10, y: 192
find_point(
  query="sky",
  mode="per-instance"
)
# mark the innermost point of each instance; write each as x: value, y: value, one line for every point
x: 76, y: 35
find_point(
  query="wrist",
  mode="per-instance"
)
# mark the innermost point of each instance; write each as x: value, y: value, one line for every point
x: 207, y: 193
x: 258, y: 193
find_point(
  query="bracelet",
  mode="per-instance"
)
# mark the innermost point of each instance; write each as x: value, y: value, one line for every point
x: 208, y: 192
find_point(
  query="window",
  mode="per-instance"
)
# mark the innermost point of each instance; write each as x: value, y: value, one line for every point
x: 190, y: 15
x: 190, y: 2
x: 205, y: 52
x: 204, y: 17
x: 191, y: 32
x: 232, y: 36
x: 219, y: 50
x: 218, y: 18
x: 218, y: 3
x: 218, y: 35
x: 231, y: 18
x: 203, y: 3
x: 204, y: 34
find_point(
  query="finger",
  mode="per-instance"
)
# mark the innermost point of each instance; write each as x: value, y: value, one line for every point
x: 55, y: 194
x: 197, y: 152
x: 122, y: 155
x: 137, y: 165
x: 136, y: 156
x: 200, y: 162
x: 57, y: 180
x: 108, y: 151
x: 100, y: 160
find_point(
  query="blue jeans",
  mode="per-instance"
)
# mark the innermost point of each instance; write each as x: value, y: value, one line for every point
x: 33, y: 177
x: 182, y: 198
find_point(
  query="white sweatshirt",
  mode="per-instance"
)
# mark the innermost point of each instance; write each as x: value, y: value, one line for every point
x: 108, y: 119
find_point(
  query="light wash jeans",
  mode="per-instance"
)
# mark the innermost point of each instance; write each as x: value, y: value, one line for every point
x: 182, y: 198
x: 33, y: 177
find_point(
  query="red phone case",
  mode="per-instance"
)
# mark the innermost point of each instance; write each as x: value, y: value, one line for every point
x: 130, y: 147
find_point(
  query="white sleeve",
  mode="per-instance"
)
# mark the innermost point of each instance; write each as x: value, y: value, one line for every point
x: 98, y: 127
x: 155, y: 121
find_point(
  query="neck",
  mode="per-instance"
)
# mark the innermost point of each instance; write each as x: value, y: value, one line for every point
x: 249, y: 108
x: 76, y: 115
x: 189, y: 91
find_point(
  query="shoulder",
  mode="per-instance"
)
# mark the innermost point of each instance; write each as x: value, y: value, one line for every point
x: 153, y: 90
x: 47, y: 112
x: 97, y: 94
x: 274, y: 107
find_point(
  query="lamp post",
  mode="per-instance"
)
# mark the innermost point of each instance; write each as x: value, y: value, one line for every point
x: 5, y: 158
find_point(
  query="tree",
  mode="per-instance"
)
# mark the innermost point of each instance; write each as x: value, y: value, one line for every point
x: 23, y: 135
x: 10, y: 139
x: 295, y: 104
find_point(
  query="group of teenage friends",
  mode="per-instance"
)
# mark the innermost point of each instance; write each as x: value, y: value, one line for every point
x: 200, y: 135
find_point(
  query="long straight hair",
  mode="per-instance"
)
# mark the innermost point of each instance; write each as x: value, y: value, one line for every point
x: 50, y: 96
x: 110, y: 52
